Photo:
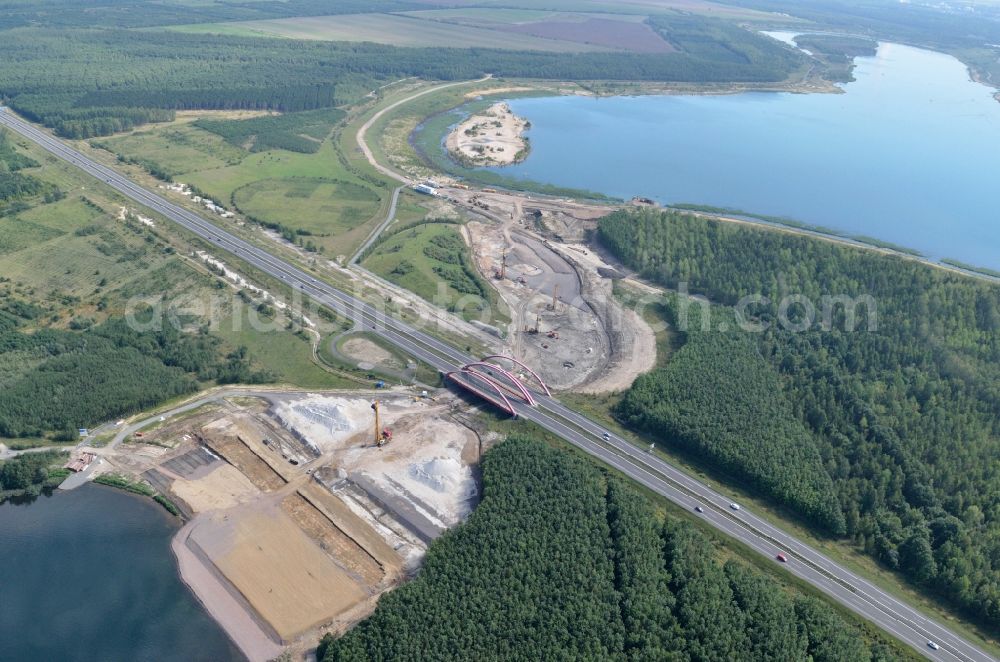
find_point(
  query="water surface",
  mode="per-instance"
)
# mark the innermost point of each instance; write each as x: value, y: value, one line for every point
x: 89, y: 575
x: 909, y: 154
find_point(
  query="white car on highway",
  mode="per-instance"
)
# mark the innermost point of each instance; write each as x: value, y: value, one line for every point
x: 933, y: 646
x: 734, y: 506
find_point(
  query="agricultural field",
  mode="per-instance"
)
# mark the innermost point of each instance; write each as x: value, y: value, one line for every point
x: 392, y: 29
x: 622, y: 8
x: 554, y: 26
x: 603, y: 30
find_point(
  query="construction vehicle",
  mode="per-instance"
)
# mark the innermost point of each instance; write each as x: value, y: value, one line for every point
x: 554, y: 334
x: 382, y: 435
x: 533, y: 330
x: 501, y: 273
x: 380, y: 384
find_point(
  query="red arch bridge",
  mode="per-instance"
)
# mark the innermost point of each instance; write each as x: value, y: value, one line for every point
x: 490, y: 380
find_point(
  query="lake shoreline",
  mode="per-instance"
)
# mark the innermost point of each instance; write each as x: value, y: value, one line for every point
x: 873, y: 141
x: 217, y: 599
x: 66, y: 554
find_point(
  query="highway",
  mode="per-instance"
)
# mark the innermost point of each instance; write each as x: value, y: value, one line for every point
x: 854, y: 592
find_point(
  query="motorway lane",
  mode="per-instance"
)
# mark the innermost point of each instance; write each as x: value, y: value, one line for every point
x: 844, y: 586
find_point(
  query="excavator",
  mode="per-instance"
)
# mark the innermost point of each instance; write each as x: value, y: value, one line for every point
x: 382, y: 435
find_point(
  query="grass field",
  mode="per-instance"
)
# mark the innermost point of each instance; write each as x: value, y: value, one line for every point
x: 75, y: 256
x: 176, y: 150
x: 286, y: 355
x: 312, y: 192
x: 322, y: 207
x: 347, y: 359
x: 427, y: 260
x: 312, y: 197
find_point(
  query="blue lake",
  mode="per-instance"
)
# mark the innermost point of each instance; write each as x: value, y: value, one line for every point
x: 909, y: 154
x: 89, y: 575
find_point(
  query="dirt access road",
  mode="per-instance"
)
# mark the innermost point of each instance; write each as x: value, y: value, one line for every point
x: 363, y: 144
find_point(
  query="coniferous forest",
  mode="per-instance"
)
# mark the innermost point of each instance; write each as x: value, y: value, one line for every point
x: 560, y: 561
x: 903, y: 412
x: 92, y: 82
x: 66, y: 379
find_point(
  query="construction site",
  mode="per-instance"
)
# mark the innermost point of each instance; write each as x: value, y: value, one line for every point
x: 567, y: 324
x: 302, y: 509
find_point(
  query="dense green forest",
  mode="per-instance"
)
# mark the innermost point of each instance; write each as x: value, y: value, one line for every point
x: 560, y: 561
x: 66, y: 380
x: 30, y: 473
x: 723, y: 43
x: 840, y: 46
x: 88, y: 82
x: 837, y: 52
x: 15, y: 185
x: 903, y: 409
x: 720, y: 399
x: 296, y: 132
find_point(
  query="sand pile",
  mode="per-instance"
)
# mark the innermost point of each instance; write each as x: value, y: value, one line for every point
x: 323, y: 423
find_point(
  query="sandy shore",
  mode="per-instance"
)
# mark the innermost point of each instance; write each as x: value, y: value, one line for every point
x: 234, y: 617
x: 494, y: 137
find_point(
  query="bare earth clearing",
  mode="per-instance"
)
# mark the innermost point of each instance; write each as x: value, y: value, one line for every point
x: 367, y: 352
